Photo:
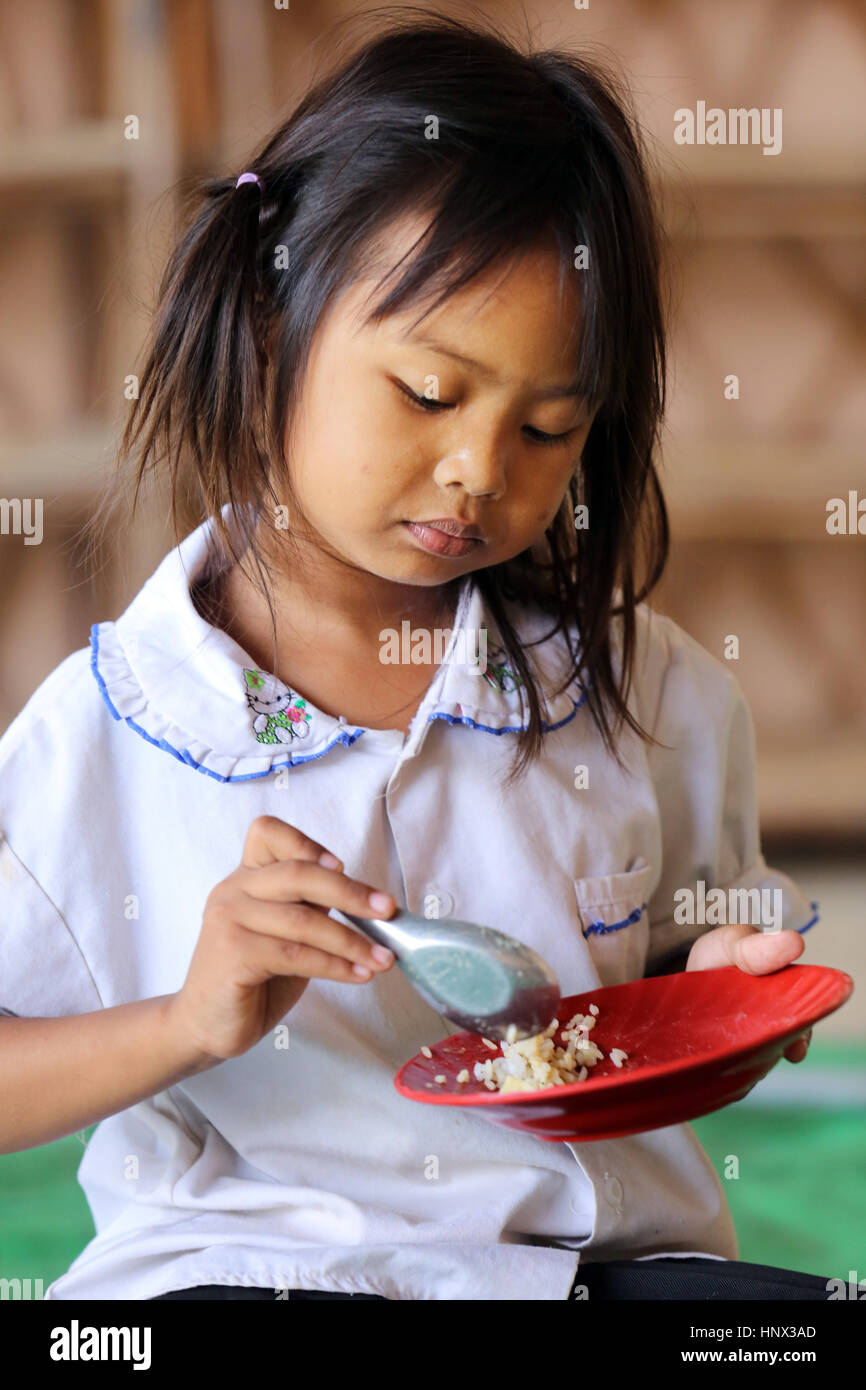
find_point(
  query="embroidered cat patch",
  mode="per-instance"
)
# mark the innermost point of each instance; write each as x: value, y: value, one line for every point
x: 280, y: 715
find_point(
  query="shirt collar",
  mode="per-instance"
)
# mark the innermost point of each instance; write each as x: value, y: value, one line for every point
x: 188, y: 688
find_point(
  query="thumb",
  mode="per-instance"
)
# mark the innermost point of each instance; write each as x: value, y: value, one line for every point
x: 760, y: 952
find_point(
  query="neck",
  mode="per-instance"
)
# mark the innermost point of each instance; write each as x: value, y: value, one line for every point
x: 325, y: 601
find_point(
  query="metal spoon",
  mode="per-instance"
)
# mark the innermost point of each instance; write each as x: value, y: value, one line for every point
x: 476, y: 976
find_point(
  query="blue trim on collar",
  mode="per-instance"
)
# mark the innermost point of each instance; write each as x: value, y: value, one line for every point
x: 343, y: 737
x: 182, y: 754
x: 508, y: 728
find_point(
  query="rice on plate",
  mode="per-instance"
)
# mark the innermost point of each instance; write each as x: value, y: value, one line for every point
x: 537, y: 1062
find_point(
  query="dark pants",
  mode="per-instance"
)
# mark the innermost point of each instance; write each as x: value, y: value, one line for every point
x: 687, y: 1279
x: 694, y: 1278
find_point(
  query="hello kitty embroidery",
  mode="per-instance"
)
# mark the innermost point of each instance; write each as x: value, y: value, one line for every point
x: 280, y: 718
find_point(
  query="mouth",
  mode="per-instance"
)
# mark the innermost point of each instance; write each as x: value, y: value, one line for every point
x: 445, y: 536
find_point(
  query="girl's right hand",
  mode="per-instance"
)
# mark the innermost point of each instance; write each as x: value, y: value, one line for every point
x: 265, y: 934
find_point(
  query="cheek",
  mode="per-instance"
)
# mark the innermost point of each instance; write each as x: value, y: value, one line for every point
x: 345, y: 482
x: 330, y: 451
x: 544, y: 495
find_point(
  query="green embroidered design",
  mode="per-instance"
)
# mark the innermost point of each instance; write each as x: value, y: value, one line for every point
x: 498, y: 674
x: 280, y: 717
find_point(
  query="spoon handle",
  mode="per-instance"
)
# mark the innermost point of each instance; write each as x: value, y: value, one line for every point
x: 384, y: 933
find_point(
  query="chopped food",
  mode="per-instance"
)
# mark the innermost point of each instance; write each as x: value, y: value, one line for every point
x: 440, y: 1079
x: 537, y: 1062
x: 514, y: 1083
x: 463, y: 1075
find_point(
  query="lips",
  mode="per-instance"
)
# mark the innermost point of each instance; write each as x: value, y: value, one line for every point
x: 452, y: 527
x: 445, y: 536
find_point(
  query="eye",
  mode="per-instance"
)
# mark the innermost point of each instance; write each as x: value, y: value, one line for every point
x: 539, y: 437
x: 430, y: 405
x: 425, y: 402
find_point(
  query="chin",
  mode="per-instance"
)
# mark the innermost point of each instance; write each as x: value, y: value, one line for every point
x: 429, y: 580
x: 427, y: 571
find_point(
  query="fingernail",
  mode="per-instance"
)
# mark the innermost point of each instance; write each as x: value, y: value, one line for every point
x: 329, y: 861
x: 362, y: 971
x: 382, y: 902
x: 381, y: 953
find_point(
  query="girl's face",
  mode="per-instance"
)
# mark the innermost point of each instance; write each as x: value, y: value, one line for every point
x: 492, y: 366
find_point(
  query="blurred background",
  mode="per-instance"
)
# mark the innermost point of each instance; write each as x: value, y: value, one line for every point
x: 769, y: 260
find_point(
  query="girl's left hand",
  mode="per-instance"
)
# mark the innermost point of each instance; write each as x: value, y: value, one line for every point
x: 756, y: 952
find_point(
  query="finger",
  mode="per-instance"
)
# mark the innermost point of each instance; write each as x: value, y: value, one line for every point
x: 719, y: 947
x: 267, y: 956
x: 797, y: 1050
x: 760, y: 953
x: 270, y: 840
x: 309, y: 926
x: 295, y: 880
x: 715, y: 949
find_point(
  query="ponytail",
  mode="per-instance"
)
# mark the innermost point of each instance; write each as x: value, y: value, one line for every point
x: 202, y: 388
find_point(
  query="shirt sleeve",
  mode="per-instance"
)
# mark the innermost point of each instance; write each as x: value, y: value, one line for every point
x: 706, y: 788
x: 43, y: 973
x: 46, y: 755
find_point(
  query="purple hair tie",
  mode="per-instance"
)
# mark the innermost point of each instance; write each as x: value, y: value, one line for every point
x: 249, y: 178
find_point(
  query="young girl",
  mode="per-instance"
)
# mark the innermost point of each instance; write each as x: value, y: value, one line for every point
x: 413, y: 359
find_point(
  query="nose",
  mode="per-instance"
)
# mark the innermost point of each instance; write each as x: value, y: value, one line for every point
x: 479, y: 471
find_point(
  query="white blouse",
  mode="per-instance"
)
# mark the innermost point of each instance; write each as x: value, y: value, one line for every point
x: 127, y: 786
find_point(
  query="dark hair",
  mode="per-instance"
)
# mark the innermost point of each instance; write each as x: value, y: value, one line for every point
x: 528, y: 144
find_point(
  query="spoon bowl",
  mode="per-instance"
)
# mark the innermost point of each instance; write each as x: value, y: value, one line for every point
x: 476, y: 976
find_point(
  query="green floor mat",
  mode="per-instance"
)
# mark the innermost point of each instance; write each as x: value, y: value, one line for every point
x: 800, y: 1199
x: 44, y: 1217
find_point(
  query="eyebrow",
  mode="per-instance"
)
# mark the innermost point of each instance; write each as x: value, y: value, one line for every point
x: 545, y: 392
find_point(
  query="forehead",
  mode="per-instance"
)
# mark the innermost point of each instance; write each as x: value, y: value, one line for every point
x: 522, y: 292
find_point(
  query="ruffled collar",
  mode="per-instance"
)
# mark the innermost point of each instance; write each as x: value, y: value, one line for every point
x: 188, y: 688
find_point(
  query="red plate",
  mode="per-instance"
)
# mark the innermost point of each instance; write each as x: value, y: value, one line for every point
x: 696, y: 1041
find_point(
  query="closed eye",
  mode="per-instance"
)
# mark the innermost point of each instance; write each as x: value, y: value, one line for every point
x: 541, y: 438
x: 431, y: 405
x: 427, y: 403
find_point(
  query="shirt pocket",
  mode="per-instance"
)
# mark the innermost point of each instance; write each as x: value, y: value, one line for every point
x: 614, y: 920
